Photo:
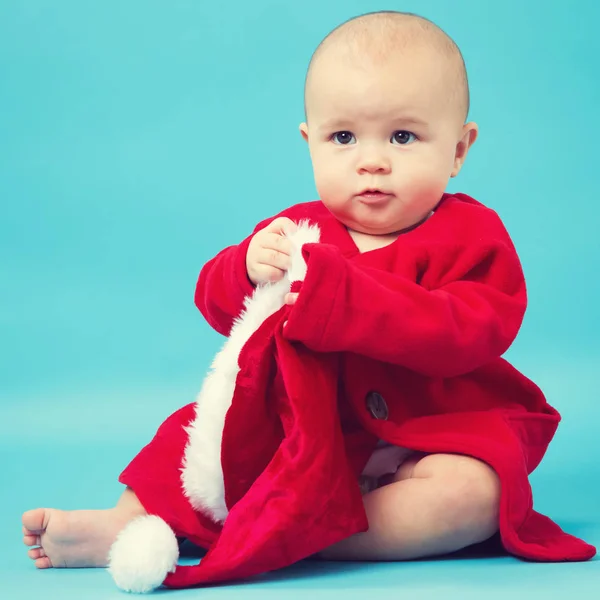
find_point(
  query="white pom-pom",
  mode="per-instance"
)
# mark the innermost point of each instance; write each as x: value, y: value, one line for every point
x: 144, y: 552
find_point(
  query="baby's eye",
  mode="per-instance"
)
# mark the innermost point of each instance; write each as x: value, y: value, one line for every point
x: 403, y: 137
x: 342, y: 137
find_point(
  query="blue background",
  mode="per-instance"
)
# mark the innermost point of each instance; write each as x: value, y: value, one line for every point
x: 139, y: 137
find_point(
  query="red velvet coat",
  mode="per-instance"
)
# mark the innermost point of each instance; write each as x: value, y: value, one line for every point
x: 403, y: 344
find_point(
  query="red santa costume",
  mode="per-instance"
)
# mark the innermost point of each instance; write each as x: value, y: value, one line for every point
x: 401, y: 344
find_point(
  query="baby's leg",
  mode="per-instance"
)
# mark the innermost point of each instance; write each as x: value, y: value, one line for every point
x: 77, y: 538
x: 434, y: 505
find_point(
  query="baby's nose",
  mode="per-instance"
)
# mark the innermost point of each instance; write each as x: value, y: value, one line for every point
x: 374, y: 163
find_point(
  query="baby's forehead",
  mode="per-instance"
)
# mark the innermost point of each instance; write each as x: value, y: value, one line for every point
x: 377, y: 88
x: 348, y: 59
x: 405, y: 48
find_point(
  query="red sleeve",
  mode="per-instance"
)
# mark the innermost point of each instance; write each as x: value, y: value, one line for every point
x: 472, y: 318
x: 223, y: 284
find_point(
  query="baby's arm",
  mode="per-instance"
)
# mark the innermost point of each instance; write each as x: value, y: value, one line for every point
x: 443, y: 332
x: 228, y: 278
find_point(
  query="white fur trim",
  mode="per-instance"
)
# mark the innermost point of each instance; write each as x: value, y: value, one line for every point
x: 202, y: 473
x: 305, y: 234
x: 144, y: 552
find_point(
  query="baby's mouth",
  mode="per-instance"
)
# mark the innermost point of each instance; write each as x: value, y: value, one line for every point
x: 374, y: 196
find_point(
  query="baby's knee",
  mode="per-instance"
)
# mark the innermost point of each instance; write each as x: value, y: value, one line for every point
x: 476, y: 496
x: 469, y: 495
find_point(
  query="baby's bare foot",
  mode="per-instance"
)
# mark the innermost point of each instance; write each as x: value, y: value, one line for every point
x: 76, y: 538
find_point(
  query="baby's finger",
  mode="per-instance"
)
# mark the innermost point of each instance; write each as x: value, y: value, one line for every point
x: 266, y: 273
x: 272, y: 258
x: 282, y: 226
x: 274, y: 241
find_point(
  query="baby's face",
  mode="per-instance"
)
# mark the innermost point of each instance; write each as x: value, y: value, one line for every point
x: 388, y: 127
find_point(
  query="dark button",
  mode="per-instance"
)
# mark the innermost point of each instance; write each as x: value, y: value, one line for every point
x: 377, y: 406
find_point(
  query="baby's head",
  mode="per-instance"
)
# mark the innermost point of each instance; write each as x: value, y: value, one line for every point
x: 386, y: 100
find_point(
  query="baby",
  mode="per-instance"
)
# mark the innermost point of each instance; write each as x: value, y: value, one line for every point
x: 386, y: 101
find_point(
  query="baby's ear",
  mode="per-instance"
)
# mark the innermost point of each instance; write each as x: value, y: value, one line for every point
x: 469, y: 134
x: 304, y: 131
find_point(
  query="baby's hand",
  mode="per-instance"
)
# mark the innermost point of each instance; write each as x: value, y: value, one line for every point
x: 269, y: 252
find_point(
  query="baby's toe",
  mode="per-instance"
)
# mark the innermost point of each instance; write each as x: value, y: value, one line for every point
x: 33, y: 520
x: 43, y: 563
x: 36, y: 553
x: 31, y: 540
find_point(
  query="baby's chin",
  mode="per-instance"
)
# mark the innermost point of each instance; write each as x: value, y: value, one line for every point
x: 384, y: 227
x: 365, y: 229
x: 374, y: 224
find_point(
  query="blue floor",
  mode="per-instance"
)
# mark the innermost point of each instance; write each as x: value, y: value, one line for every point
x: 462, y: 579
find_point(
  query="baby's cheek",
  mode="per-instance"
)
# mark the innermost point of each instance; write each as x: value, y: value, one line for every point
x: 332, y: 184
x: 429, y: 181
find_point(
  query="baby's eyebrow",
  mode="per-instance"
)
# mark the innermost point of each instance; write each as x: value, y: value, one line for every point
x: 337, y: 122
x: 410, y: 120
